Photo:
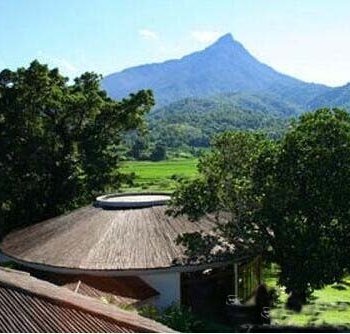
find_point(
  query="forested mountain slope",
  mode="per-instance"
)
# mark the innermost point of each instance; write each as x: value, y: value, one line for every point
x: 222, y: 87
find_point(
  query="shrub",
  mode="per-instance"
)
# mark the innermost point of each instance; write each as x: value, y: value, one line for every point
x: 176, y: 317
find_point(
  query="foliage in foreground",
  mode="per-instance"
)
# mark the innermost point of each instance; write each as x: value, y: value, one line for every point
x: 286, y: 198
x: 176, y: 317
x: 58, y: 141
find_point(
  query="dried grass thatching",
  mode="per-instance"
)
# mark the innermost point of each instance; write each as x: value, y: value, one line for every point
x: 93, y: 238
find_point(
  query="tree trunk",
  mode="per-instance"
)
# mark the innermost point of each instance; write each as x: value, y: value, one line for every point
x: 296, y: 300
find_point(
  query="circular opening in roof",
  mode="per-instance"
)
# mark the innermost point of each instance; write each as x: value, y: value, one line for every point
x: 132, y: 200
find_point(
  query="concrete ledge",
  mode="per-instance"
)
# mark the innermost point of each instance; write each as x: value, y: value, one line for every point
x: 132, y: 200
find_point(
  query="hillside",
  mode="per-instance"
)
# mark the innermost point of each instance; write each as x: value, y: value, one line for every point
x: 193, y: 121
x: 224, y: 67
x: 337, y: 97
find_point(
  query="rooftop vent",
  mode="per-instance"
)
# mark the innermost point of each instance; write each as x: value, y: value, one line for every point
x: 132, y: 200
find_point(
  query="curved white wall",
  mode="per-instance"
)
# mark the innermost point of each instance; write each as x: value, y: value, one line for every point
x: 168, y: 285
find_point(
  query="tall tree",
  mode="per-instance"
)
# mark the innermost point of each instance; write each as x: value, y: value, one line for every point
x: 58, y: 141
x: 306, y: 191
x: 287, y: 198
x: 158, y: 153
x: 137, y: 148
x: 225, y: 188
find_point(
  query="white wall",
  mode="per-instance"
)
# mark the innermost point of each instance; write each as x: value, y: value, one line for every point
x: 168, y: 285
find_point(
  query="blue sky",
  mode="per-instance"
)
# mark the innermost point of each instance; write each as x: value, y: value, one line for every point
x: 309, y: 39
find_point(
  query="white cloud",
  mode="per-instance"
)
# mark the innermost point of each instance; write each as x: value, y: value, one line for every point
x: 205, y: 36
x: 148, y: 34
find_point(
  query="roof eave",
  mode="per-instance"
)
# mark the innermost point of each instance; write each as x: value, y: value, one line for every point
x: 127, y: 272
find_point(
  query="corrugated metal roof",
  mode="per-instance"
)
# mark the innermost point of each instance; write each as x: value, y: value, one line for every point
x: 25, y: 312
x: 31, y: 305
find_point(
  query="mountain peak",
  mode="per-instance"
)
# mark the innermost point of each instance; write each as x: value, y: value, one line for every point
x: 223, y: 67
x: 226, y: 42
x: 225, y: 39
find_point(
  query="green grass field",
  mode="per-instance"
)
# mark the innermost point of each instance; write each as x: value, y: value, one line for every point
x: 159, y: 176
x: 330, y: 305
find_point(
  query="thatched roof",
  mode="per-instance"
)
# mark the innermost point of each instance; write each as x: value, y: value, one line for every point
x: 28, y: 304
x: 94, y: 238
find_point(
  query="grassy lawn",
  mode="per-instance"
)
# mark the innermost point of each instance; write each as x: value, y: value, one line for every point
x: 159, y: 176
x: 330, y: 305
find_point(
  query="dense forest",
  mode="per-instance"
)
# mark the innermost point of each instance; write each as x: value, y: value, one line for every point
x: 189, y: 125
x: 195, y: 121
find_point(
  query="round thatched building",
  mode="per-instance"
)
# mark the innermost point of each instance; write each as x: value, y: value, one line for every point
x: 130, y: 237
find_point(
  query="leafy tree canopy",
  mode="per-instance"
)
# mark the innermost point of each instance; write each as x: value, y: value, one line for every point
x: 306, y: 188
x: 158, y: 153
x: 58, y: 141
x: 287, y: 198
x: 225, y: 189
